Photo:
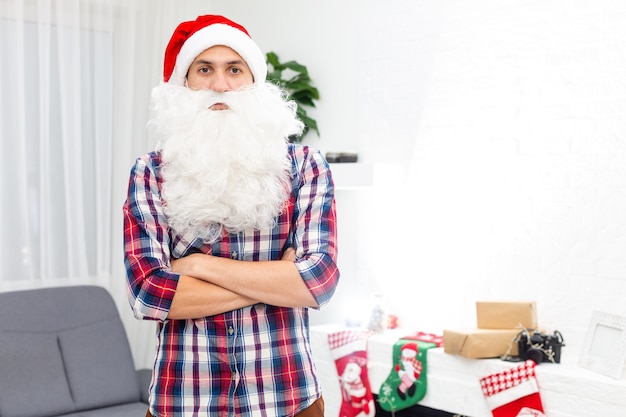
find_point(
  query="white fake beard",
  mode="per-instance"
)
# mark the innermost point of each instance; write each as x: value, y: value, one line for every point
x: 223, y: 169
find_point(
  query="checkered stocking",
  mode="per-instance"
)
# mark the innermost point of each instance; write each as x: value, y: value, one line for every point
x: 513, y: 392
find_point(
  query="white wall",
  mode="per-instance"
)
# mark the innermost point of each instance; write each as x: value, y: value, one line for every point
x: 511, y: 158
x: 497, y: 132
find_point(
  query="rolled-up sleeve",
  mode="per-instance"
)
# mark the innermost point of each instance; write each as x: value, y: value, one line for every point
x: 315, y: 237
x: 150, y: 284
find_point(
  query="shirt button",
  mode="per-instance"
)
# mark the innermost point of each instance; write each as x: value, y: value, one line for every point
x: 231, y: 330
x: 233, y: 255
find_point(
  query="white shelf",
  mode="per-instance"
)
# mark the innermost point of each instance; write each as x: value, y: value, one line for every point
x: 566, y: 389
x: 352, y: 175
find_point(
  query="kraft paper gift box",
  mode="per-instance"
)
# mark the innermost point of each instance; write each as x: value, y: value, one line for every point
x: 506, y: 315
x: 480, y: 343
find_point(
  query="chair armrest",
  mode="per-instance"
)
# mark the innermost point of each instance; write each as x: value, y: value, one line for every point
x: 144, y: 376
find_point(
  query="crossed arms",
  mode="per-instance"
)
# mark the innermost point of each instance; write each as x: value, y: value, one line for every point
x: 211, y: 285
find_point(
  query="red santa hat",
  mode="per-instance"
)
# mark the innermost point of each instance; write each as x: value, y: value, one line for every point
x: 409, y: 350
x: 191, y: 38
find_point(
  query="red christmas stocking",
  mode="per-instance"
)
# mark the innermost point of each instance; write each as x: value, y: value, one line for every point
x: 349, y: 350
x: 514, y: 392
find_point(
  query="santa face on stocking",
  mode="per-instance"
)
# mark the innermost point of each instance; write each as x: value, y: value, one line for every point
x: 409, y: 370
x: 349, y: 349
x: 352, y: 385
x: 406, y: 383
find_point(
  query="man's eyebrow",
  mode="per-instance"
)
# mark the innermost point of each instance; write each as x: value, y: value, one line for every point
x: 205, y: 62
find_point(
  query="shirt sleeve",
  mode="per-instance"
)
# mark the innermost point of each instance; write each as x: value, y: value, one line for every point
x: 150, y: 283
x: 315, y: 231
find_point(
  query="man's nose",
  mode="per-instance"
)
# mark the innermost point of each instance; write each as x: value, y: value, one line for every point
x: 219, y: 83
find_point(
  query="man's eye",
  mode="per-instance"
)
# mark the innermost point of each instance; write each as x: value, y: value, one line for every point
x: 204, y: 70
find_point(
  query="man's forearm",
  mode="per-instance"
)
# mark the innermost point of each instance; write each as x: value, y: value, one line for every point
x: 272, y: 282
x: 195, y: 298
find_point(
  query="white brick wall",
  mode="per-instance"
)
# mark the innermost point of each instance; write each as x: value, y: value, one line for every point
x: 508, y: 180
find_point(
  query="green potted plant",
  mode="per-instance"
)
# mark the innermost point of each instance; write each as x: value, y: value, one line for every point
x: 294, y: 78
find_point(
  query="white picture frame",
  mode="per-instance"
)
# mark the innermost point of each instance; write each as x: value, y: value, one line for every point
x: 604, y: 349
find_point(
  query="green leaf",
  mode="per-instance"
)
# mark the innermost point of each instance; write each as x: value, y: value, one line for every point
x: 303, y: 99
x: 272, y: 59
x: 306, y: 90
x: 296, y: 67
x: 310, y: 123
x: 275, y: 77
x: 299, y: 85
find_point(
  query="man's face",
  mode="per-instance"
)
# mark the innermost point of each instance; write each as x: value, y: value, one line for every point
x: 219, y: 69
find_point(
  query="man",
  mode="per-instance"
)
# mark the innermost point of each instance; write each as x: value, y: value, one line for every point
x: 229, y: 233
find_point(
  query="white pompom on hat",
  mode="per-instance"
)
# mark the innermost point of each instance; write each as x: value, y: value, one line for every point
x: 191, y: 38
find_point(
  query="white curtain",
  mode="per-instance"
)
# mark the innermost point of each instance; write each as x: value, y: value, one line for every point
x: 75, y: 80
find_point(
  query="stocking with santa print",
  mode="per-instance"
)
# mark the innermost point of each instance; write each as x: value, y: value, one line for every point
x: 406, y: 384
x: 349, y: 350
x: 513, y: 392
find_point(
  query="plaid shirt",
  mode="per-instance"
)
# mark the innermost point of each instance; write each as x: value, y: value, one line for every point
x: 254, y: 361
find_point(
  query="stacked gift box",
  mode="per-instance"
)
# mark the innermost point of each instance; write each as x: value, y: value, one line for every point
x: 498, y: 325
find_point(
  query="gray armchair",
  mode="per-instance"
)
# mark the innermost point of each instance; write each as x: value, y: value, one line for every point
x: 64, y: 352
